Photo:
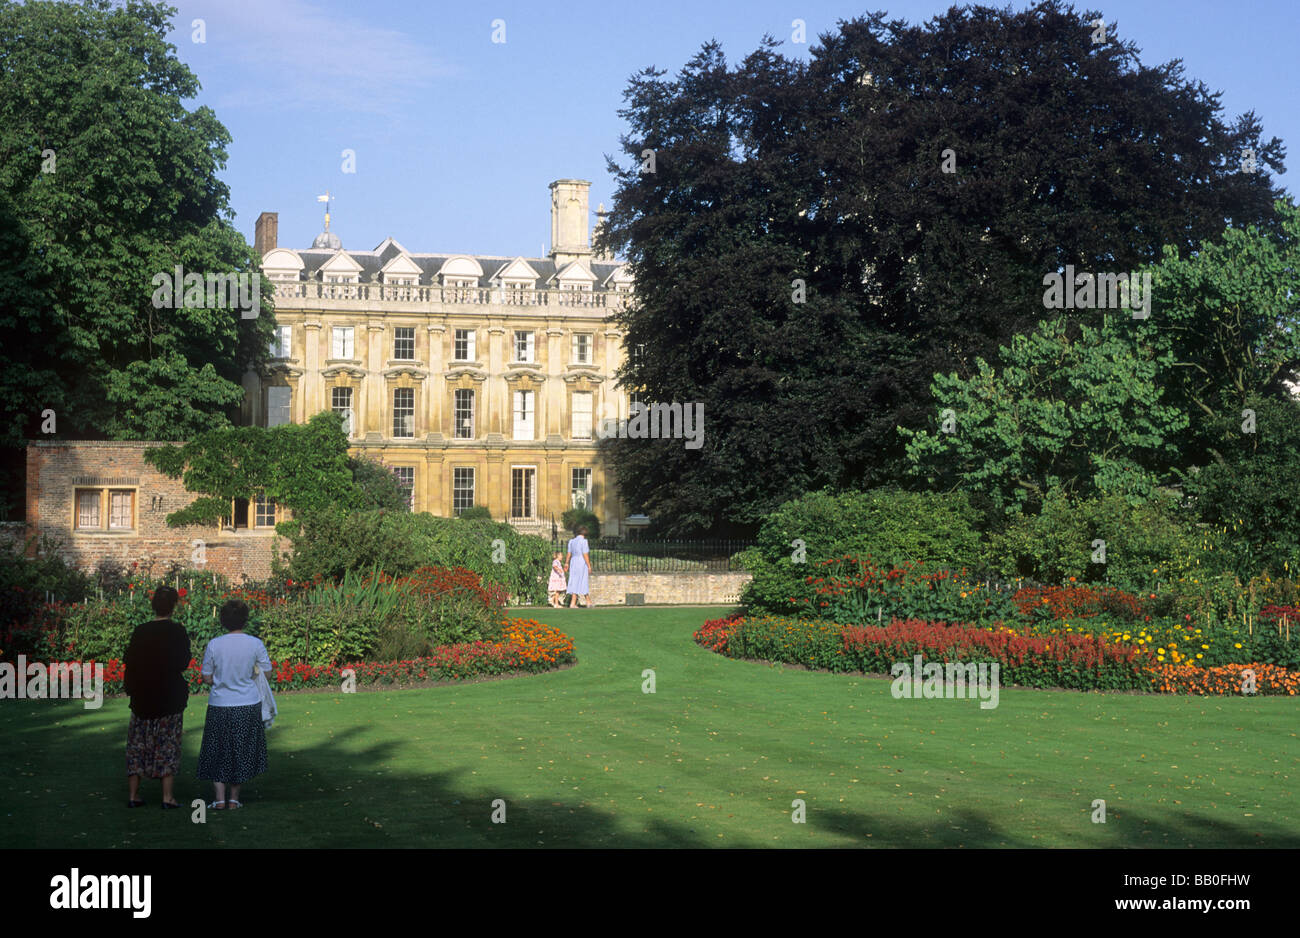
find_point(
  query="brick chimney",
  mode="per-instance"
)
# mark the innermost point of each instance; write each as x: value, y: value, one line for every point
x: 265, y: 233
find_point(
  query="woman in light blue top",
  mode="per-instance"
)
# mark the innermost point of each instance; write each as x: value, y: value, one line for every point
x: 579, y: 570
x: 234, y: 739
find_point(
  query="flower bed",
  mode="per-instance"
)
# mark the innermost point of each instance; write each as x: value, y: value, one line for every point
x: 1079, y: 661
x: 526, y: 646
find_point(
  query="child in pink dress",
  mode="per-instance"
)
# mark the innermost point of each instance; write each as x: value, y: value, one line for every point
x: 557, y: 585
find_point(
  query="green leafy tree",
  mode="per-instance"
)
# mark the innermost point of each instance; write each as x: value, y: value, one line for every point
x: 1083, y: 414
x: 107, y: 180
x: 1064, y: 151
x: 1230, y: 317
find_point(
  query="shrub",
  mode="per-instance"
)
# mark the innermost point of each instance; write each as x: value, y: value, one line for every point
x: 1144, y: 545
x: 25, y: 584
x: 399, y: 543
x: 476, y: 513
x: 576, y: 518
x: 891, y: 526
x: 1253, y: 496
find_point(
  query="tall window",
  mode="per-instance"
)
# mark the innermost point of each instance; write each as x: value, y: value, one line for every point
x: 277, y: 406
x: 580, y: 489
x: 88, y: 508
x: 462, y: 489
x: 404, y: 413
x: 281, y: 344
x: 523, y: 492
x: 406, y: 479
x: 263, y: 511
x: 582, y: 415
x: 341, y: 402
x: 120, y: 504
x: 463, y: 345
x: 524, y: 411
x: 464, y: 414
x: 341, y: 342
x: 523, y: 346
x: 404, y: 343
x: 582, y: 348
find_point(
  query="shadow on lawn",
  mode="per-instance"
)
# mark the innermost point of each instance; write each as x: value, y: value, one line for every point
x: 64, y: 787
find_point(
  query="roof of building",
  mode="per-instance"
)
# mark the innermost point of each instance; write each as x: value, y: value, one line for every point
x: 372, y: 262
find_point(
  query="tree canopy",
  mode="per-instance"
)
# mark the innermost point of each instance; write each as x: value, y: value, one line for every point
x: 805, y: 263
x: 106, y: 181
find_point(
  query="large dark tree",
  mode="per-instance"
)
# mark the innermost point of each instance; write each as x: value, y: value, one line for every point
x: 106, y: 180
x: 1065, y: 150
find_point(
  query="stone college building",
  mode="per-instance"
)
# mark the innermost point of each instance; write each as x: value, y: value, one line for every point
x: 480, y: 380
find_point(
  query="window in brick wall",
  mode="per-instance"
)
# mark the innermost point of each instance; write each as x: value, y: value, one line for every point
x: 104, y: 509
x: 121, y: 509
x: 88, y: 508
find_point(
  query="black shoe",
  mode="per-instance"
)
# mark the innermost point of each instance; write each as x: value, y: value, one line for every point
x: 135, y: 804
x: 166, y: 805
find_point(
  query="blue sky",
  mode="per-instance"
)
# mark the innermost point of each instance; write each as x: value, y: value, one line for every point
x: 456, y: 137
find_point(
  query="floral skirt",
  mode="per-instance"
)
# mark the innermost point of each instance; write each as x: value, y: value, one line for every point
x: 153, y: 747
x: 234, y: 744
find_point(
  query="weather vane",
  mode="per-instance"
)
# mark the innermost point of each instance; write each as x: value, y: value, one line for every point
x: 326, y: 199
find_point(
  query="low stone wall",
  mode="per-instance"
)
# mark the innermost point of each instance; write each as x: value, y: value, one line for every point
x: 611, y: 589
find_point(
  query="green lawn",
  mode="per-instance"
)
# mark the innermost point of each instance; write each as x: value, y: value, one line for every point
x: 584, y: 759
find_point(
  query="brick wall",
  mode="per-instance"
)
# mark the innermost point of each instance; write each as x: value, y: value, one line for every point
x: 55, y: 469
x: 684, y: 588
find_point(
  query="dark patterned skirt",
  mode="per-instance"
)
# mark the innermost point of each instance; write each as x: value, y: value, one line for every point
x: 234, y: 744
x: 153, y: 747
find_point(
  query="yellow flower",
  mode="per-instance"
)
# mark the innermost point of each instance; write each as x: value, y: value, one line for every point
x: 1206, y: 647
x: 1160, y: 651
x: 1199, y: 655
x: 1238, y: 645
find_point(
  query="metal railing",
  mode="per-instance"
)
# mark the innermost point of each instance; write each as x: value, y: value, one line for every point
x: 610, y: 555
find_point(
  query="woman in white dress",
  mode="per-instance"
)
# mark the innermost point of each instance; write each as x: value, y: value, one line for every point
x: 579, y: 570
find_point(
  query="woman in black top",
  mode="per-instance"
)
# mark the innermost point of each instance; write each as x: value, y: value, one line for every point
x: 155, y: 664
